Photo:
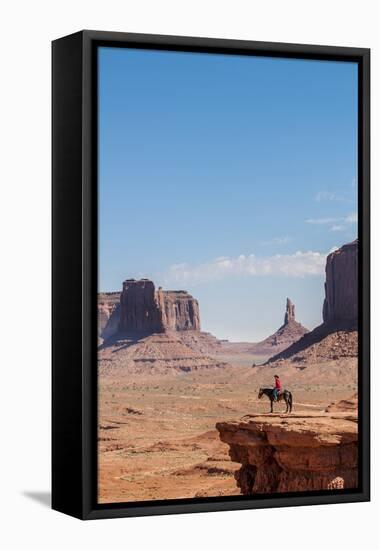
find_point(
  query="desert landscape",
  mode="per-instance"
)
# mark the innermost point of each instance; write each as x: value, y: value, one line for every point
x: 179, y: 414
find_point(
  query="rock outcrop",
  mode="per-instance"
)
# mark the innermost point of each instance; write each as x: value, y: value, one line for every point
x: 291, y: 331
x: 341, y: 285
x: 301, y: 452
x: 350, y: 404
x: 145, y: 309
x: 290, y: 312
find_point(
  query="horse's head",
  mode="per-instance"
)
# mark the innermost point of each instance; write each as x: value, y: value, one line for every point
x: 260, y: 393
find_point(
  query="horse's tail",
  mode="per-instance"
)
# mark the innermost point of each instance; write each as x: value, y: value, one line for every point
x: 290, y: 401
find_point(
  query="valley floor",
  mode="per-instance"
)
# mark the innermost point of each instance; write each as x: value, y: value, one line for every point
x: 157, y: 436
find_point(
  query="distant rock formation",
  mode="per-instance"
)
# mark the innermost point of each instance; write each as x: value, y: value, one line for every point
x: 291, y: 331
x: 336, y: 337
x: 290, y: 312
x: 341, y: 285
x: 108, y: 313
x: 144, y: 330
x: 299, y: 452
x: 140, y: 307
x: 143, y: 308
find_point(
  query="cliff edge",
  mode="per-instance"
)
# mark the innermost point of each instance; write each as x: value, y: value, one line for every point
x: 303, y: 452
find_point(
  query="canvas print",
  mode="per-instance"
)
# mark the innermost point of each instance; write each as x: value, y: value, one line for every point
x: 227, y: 275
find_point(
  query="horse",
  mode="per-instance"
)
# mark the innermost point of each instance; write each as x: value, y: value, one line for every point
x: 285, y: 394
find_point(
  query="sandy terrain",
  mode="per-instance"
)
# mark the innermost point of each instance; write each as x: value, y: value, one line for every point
x: 157, y: 436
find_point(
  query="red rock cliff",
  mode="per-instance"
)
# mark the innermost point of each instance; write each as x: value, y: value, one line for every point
x: 139, y: 307
x: 302, y: 452
x: 341, y: 285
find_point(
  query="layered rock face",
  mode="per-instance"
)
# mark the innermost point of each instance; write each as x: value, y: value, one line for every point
x: 301, y: 452
x: 145, y: 309
x: 180, y: 311
x: 341, y: 285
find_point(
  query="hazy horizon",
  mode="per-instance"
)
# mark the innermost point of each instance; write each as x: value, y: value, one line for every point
x: 230, y: 177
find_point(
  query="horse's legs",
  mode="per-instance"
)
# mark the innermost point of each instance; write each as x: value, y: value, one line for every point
x: 272, y: 406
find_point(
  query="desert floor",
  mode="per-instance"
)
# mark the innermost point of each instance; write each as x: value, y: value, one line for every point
x: 157, y: 437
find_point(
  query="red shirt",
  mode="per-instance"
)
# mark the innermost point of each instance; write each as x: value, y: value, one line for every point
x: 278, y: 384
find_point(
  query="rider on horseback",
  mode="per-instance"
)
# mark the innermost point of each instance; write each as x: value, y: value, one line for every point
x: 278, y: 387
x: 274, y: 395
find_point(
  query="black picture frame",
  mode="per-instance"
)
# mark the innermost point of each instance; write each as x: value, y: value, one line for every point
x: 74, y: 271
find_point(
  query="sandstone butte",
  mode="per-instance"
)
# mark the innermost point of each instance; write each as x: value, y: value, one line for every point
x: 302, y: 452
x: 148, y: 331
x: 143, y: 308
x: 341, y: 286
x: 140, y: 307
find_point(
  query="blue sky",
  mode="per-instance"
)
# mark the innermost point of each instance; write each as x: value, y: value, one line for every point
x: 231, y: 177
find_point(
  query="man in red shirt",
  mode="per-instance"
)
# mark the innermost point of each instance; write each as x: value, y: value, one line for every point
x: 278, y: 387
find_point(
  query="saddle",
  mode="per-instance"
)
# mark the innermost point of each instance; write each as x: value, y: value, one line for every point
x: 279, y: 394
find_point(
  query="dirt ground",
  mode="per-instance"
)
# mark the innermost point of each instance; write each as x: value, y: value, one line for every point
x: 157, y: 437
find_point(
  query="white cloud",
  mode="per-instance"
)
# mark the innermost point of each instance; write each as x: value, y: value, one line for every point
x: 299, y: 264
x: 331, y: 196
x: 322, y: 221
x: 337, y: 228
x: 337, y: 222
